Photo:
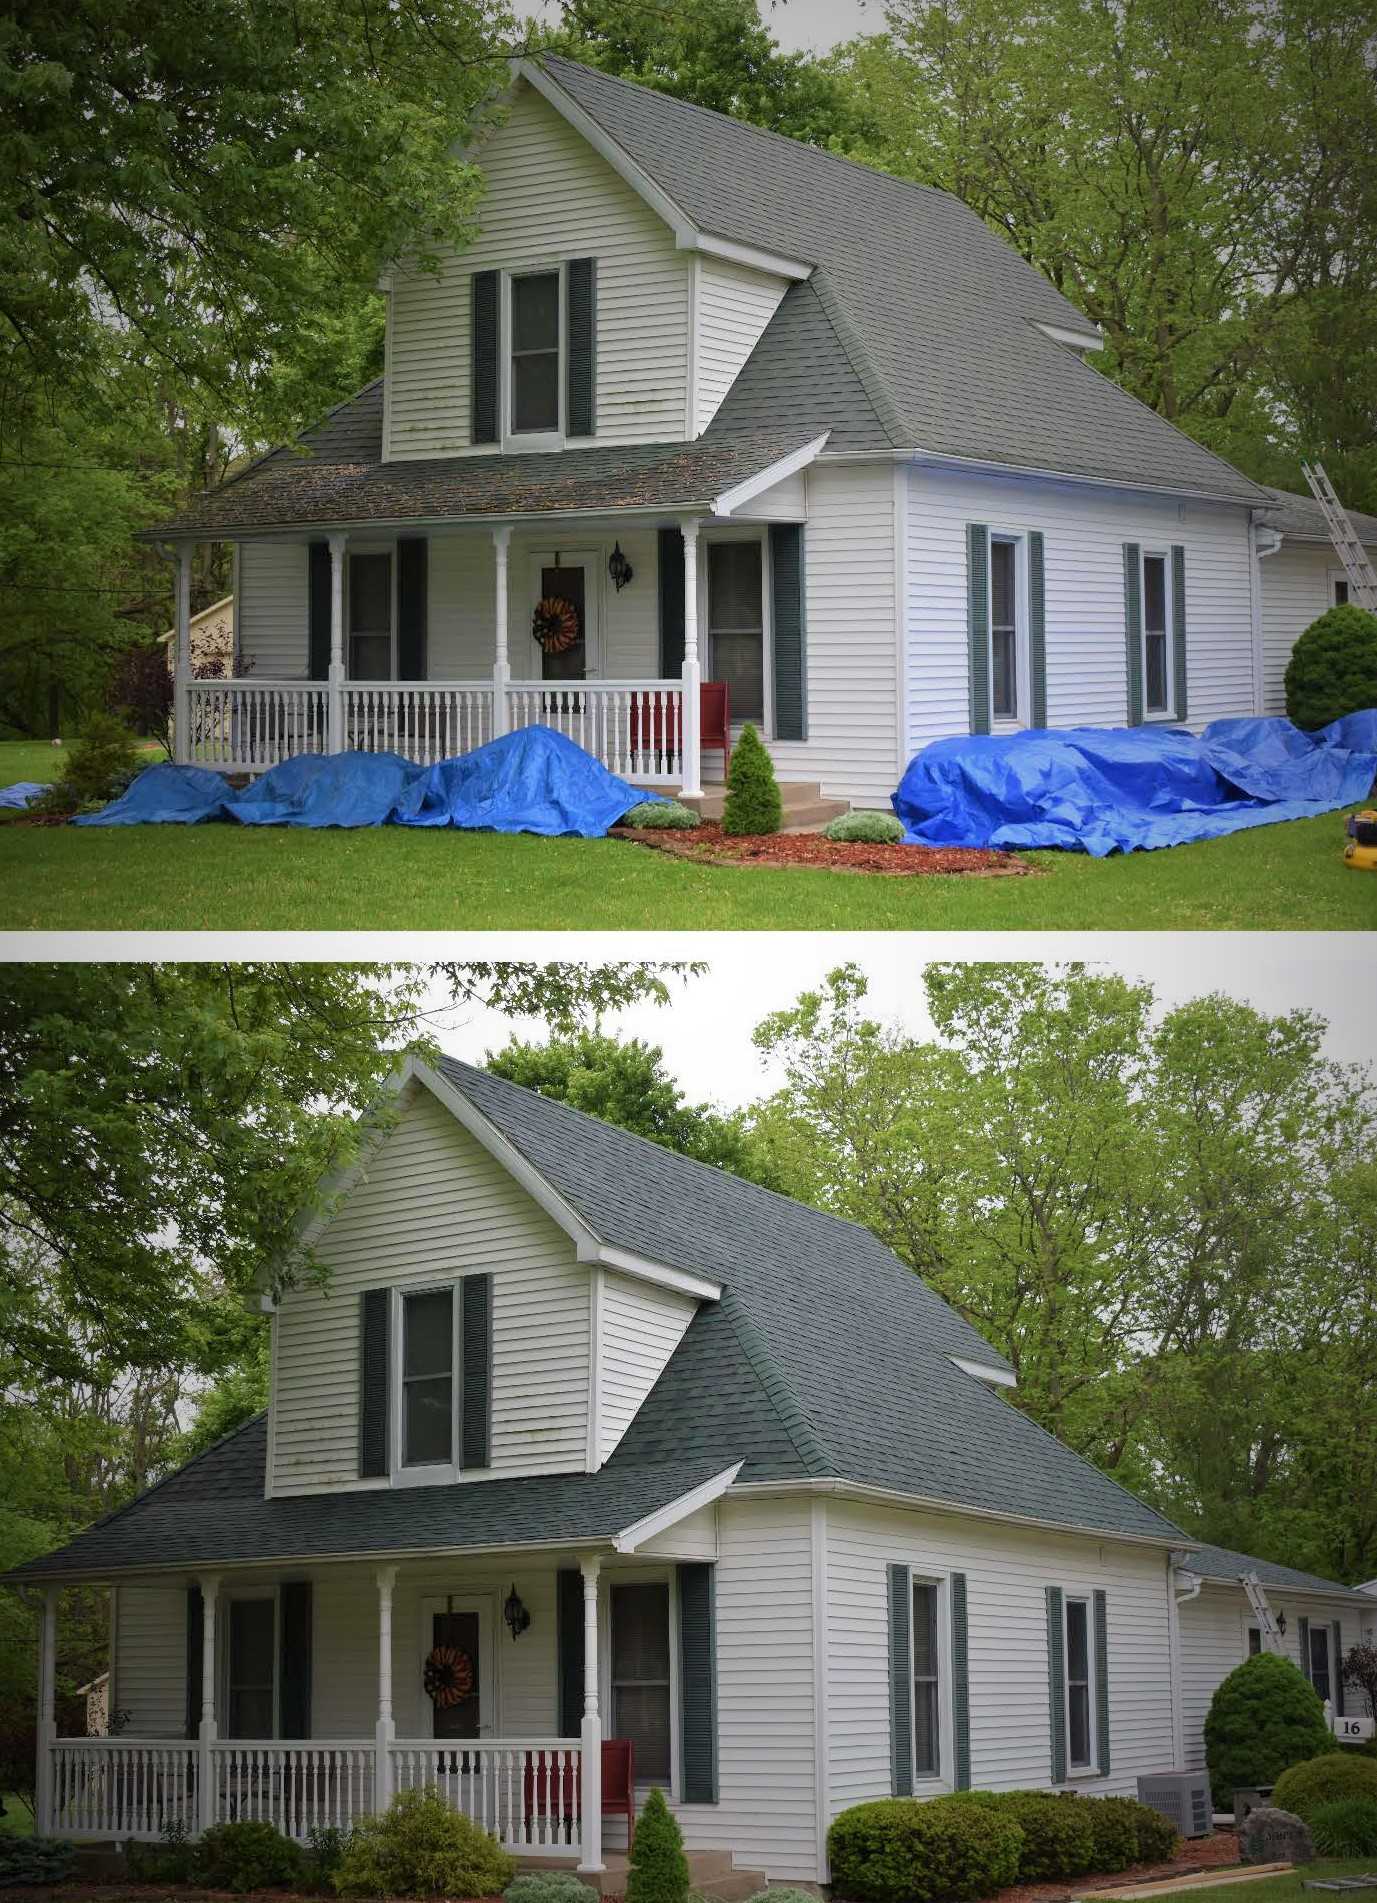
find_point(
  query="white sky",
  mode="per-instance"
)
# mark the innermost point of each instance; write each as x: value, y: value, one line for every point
x: 796, y: 24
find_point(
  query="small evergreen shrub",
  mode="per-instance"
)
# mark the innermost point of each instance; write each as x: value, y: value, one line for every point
x: 659, y: 1871
x: 1333, y: 668
x: 549, y: 1886
x: 1058, y: 1835
x: 902, y: 1850
x: 661, y: 816
x: 1155, y: 1839
x: 26, y: 1860
x: 753, y: 804
x: 325, y: 1848
x: 1346, y: 1827
x: 420, y: 1847
x: 1264, y: 1717
x: 97, y: 770
x: 249, y: 1855
x: 866, y: 829
x: 1324, y: 1780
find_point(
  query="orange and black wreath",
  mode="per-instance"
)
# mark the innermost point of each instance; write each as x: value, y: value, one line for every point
x: 448, y: 1677
x: 555, y: 624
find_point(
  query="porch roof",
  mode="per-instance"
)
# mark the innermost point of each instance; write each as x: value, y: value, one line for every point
x: 1222, y: 1563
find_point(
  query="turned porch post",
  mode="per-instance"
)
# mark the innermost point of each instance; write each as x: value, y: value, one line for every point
x: 386, y: 1728
x: 338, y: 544
x: 590, y: 1735
x: 691, y: 673
x: 501, y: 667
x: 205, y: 1784
x: 181, y: 667
x: 47, y: 1714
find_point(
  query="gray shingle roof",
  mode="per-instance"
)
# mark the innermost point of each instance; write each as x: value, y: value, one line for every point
x: 938, y: 314
x: 1221, y: 1562
x: 1302, y: 520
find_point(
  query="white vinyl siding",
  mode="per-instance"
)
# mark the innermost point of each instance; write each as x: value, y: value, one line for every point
x: 733, y: 306
x: 548, y: 197
x: 150, y: 1660
x: 1297, y: 588
x: 272, y: 611
x: 641, y: 1326
x: 433, y: 1204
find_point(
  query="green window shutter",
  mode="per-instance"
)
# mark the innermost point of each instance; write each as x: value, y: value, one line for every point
x: 477, y: 1394
x: 1102, y: 1680
x: 1178, y: 628
x: 900, y: 1682
x: 195, y: 1631
x: 1336, y: 1676
x: 960, y: 1683
x: 484, y: 353
x: 569, y: 1650
x: 411, y: 608
x: 1037, y: 626
x: 581, y: 325
x: 374, y: 1307
x: 1056, y: 1681
x: 791, y: 674
x: 1133, y: 630
x: 294, y: 1667
x: 318, y: 609
x: 671, y: 553
x: 1303, y: 1641
x: 697, y: 1684
x: 978, y: 622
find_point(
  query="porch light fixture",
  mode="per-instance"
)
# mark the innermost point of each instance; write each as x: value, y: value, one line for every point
x: 515, y: 1613
x: 1281, y: 1624
x: 619, y: 568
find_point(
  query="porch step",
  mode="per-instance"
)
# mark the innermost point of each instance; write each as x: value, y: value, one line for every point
x: 802, y: 800
x: 712, y: 1874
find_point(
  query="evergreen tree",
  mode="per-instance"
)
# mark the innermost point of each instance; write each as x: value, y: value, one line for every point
x: 753, y: 803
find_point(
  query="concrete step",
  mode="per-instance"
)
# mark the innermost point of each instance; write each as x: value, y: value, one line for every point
x: 802, y: 802
x: 734, y: 1888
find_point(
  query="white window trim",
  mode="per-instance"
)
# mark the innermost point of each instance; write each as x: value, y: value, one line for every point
x: 433, y: 1473
x: 532, y: 441
x: 222, y: 1663
x: 370, y: 548
x: 745, y: 532
x: 641, y: 1576
x: 1023, y: 682
x: 1079, y: 1596
x: 924, y: 1786
x: 1165, y: 714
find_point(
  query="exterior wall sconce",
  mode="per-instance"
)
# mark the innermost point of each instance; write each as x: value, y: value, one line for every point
x: 515, y: 1614
x: 619, y: 568
x: 1281, y: 1624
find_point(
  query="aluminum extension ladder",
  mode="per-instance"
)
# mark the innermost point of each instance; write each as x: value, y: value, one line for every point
x: 1262, y: 1612
x: 1362, y: 582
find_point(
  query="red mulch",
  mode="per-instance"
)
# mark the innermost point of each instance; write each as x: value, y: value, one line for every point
x: 708, y: 845
x: 1200, y: 1855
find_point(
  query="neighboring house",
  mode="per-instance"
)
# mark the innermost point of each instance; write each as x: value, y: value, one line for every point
x: 212, y: 638
x: 1319, y: 1619
x: 753, y: 414
x: 1299, y: 582
x: 97, y: 1696
x: 652, y: 1454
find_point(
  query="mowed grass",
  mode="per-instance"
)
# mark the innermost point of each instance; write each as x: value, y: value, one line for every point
x: 222, y: 878
x: 1289, y: 1888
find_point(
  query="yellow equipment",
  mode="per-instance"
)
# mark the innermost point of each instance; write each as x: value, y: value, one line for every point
x: 1361, y: 850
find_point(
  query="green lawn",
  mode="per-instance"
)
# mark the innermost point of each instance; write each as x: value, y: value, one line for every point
x: 1276, y: 878
x: 1288, y: 1889
x: 18, y: 1818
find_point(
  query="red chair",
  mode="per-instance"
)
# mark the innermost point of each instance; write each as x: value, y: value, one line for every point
x: 619, y: 1784
x: 648, y: 725
x: 552, y: 1794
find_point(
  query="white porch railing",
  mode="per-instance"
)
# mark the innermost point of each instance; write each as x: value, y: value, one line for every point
x: 110, y: 1788
x: 248, y: 726
x: 528, y: 1795
x: 634, y: 727
x: 423, y: 720
x: 297, y: 1788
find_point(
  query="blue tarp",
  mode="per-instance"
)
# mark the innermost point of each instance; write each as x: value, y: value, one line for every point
x: 21, y: 793
x: 534, y: 781
x: 1116, y: 789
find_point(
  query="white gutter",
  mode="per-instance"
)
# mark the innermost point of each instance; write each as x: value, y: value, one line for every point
x: 1264, y: 541
x: 1175, y: 1600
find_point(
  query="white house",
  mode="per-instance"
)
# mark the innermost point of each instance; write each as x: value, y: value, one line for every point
x: 1300, y: 581
x: 648, y: 1453
x: 748, y: 413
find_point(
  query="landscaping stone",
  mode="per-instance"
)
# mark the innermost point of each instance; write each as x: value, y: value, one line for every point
x: 1269, y: 1835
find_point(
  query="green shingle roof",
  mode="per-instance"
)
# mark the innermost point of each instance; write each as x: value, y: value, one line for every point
x: 1222, y: 1562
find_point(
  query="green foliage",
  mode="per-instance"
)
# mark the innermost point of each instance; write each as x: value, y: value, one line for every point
x: 1114, y: 1831
x: 1345, y: 1827
x: 34, y: 1860
x: 1308, y: 1783
x: 781, y: 1893
x: 1333, y: 668
x: 1263, y: 1719
x: 549, y: 1886
x: 1154, y: 1836
x: 325, y: 1848
x: 249, y: 1855
x: 901, y: 1850
x: 1359, y: 1668
x: 96, y: 770
x: 753, y: 804
x: 173, y: 1859
x: 420, y: 1847
x: 1059, y: 1836
x: 659, y: 1871
x: 661, y: 816
x: 871, y: 829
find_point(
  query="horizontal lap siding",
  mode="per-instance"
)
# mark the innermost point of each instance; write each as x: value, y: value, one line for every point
x: 785, y: 501
x: 1008, y: 1570
x: 734, y: 306
x: 272, y: 611
x: 1296, y: 590
x: 1084, y: 531
x: 548, y: 197
x: 150, y: 1660
x: 433, y: 1204
x: 640, y: 1327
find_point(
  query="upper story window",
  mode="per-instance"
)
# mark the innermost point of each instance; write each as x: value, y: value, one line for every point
x: 1156, y: 636
x: 1080, y: 1703
x: 535, y: 354
x: 427, y: 1383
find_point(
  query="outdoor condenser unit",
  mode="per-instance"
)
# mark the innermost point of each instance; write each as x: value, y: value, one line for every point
x: 1181, y: 1796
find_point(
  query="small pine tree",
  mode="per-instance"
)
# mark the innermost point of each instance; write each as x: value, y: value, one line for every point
x: 659, y: 1871
x: 753, y: 804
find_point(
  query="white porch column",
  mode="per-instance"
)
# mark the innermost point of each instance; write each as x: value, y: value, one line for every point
x: 386, y: 1728
x: 501, y: 667
x: 691, y: 673
x: 47, y: 1714
x: 590, y: 1736
x: 338, y: 545
x: 210, y: 1593
x: 181, y: 670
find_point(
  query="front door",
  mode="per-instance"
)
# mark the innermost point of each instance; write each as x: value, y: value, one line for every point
x: 455, y: 1667
x: 736, y: 626
x: 569, y: 577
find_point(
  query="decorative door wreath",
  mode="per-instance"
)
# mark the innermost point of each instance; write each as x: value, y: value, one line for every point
x: 555, y: 624
x: 448, y: 1677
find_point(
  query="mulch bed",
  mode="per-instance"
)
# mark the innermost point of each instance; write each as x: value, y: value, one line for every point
x: 1201, y: 1856
x: 708, y: 845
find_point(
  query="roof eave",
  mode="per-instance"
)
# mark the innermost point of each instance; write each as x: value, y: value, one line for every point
x: 942, y: 459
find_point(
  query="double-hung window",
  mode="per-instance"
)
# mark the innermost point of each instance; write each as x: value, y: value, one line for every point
x: 640, y: 1675
x: 535, y: 354
x: 250, y: 1654
x: 1318, y: 1661
x: 1341, y: 591
x: 1080, y: 1702
x: 927, y: 1681
x: 1004, y: 628
x: 1156, y: 635
x: 428, y: 1364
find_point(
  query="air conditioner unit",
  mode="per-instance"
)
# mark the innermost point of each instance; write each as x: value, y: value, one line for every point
x: 1181, y: 1796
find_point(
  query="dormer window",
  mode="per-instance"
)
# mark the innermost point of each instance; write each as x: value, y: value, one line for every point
x: 427, y: 1378
x: 535, y: 330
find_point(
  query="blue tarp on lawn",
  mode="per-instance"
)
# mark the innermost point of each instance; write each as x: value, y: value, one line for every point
x: 1114, y: 789
x: 534, y: 781
x: 20, y: 793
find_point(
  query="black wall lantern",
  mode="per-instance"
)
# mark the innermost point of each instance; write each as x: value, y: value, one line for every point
x: 1281, y: 1624
x: 515, y: 1613
x: 619, y: 568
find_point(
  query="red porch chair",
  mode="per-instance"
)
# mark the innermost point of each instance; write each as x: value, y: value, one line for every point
x: 648, y: 724
x: 553, y: 1793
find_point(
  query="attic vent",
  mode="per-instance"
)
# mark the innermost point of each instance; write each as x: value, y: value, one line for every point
x: 1182, y: 1797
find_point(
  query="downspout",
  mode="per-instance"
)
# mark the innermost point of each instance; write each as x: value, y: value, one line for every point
x: 1182, y: 1587
x: 1262, y: 541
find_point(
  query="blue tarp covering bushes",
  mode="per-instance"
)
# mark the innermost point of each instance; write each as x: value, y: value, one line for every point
x: 21, y: 794
x: 534, y: 781
x: 1120, y: 789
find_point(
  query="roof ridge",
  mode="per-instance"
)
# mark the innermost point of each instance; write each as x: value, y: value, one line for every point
x: 779, y: 1390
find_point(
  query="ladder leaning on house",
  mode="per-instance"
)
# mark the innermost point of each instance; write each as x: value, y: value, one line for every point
x: 1362, y: 582
x: 1262, y: 1612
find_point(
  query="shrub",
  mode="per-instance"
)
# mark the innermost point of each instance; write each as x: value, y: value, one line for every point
x: 1333, y: 668
x: 901, y: 1850
x: 1360, y: 1671
x: 1262, y: 1718
x: 26, y: 1860
x: 420, y: 1847
x: 753, y: 803
x: 98, y: 768
x: 248, y: 1855
x: 661, y: 816
x: 867, y: 829
x: 550, y: 1886
x: 781, y: 1893
x: 326, y: 1845
x: 1155, y: 1839
x: 173, y: 1860
x: 1058, y: 1835
x: 1347, y: 1827
x: 1324, y: 1780
x: 141, y: 687
x: 659, y: 1871
x: 1114, y: 1834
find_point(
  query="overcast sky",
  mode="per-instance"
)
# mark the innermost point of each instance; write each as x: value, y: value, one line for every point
x: 796, y: 24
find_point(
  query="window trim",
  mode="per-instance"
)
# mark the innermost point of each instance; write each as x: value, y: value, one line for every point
x: 1162, y: 555
x: 1081, y: 1596
x: 1335, y: 578
x: 222, y: 1664
x: 431, y: 1473
x: 533, y: 441
x: 742, y: 532
x: 643, y: 1576
x: 1023, y: 684
x: 928, y: 1781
